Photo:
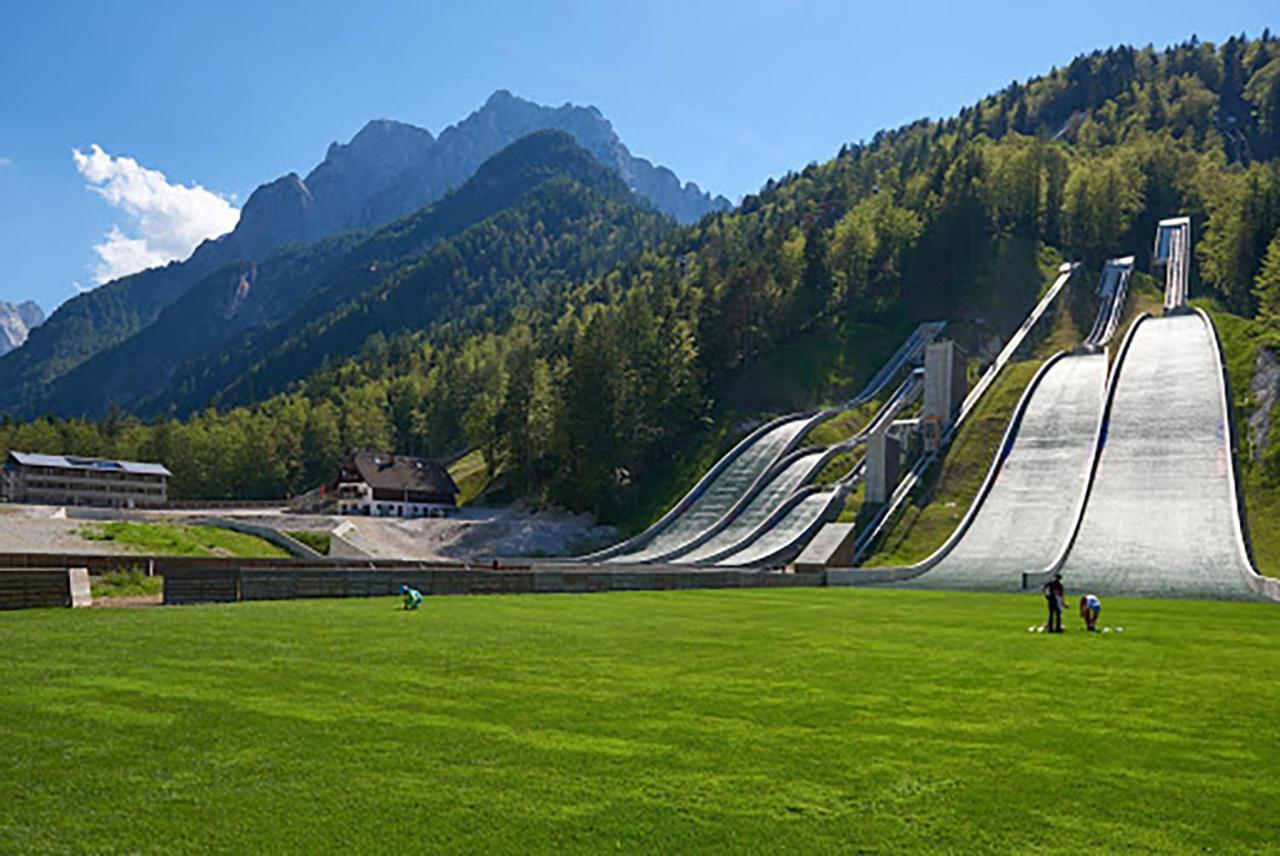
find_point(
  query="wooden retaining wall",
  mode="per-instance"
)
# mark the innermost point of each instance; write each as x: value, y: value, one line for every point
x: 207, y: 585
x: 30, y: 589
x: 101, y: 564
x: 202, y: 585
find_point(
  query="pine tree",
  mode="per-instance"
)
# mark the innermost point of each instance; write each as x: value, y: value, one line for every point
x: 1266, y: 288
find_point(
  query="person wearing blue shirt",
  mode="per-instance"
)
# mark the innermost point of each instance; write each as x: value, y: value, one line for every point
x: 1090, y: 609
x: 412, y: 597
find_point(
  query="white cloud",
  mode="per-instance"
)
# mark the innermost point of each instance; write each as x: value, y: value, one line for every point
x: 4, y: 161
x: 168, y: 220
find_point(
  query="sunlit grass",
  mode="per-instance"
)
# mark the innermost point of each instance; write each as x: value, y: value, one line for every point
x: 173, y: 539
x: 818, y: 720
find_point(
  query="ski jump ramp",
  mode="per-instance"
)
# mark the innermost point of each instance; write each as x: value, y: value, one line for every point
x: 746, y: 470
x: 1157, y: 511
x: 1036, y: 485
x: 1162, y: 518
x: 1028, y: 507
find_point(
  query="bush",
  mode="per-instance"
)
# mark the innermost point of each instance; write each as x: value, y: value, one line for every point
x: 131, y: 583
x: 318, y: 541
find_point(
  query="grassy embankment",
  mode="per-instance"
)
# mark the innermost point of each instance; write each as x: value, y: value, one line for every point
x: 318, y: 541
x: 126, y: 584
x: 173, y: 539
x: 1241, y: 338
x: 816, y: 720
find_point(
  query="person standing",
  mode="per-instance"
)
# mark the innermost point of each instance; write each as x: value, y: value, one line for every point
x: 1056, y: 597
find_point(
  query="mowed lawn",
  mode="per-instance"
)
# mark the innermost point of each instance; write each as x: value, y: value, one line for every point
x: 820, y: 719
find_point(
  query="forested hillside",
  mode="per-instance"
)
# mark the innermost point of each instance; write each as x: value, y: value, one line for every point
x: 585, y: 393
x: 255, y: 326
x: 386, y: 171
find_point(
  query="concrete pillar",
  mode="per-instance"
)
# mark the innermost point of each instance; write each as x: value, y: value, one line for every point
x: 884, y: 457
x: 79, y: 587
x: 946, y: 381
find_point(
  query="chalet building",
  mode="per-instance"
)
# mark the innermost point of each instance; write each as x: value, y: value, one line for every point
x: 375, y: 484
x: 70, y: 480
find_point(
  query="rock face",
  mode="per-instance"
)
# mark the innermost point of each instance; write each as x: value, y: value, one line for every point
x: 1266, y: 391
x: 17, y: 322
x: 437, y: 165
x: 390, y: 169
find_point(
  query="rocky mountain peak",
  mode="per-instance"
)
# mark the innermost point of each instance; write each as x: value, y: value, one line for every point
x: 17, y: 322
x: 277, y: 213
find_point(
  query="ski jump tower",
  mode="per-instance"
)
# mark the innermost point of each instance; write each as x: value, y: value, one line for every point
x: 1173, y: 253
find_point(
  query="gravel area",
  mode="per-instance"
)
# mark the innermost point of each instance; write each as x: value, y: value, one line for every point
x: 45, y: 529
x: 468, y: 534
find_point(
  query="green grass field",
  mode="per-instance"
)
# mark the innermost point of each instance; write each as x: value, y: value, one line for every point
x: 761, y: 721
x: 174, y: 539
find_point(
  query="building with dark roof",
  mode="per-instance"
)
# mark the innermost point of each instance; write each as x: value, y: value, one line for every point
x: 72, y: 480
x: 376, y: 484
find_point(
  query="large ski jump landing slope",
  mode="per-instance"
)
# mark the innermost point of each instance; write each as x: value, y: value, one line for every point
x: 1161, y: 517
x: 1034, y: 502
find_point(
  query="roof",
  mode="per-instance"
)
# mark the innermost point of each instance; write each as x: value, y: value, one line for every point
x: 382, y: 471
x: 74, y: 462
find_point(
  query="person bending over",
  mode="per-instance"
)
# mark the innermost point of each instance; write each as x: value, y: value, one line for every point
x: 1090, y: 608
x: 412, y: 597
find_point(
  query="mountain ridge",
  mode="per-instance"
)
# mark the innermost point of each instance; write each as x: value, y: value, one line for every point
x: 238, y: 314
x: 387, y: 170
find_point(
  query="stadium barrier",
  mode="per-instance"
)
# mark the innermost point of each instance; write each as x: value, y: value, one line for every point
x: 161, y: 565
x: 193, y: 585
x: 26, y: 588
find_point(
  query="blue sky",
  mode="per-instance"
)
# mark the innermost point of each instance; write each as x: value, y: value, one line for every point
x: 228, y: 95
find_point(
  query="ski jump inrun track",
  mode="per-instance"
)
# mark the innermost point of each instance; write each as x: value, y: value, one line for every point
x: 1120, y: 474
